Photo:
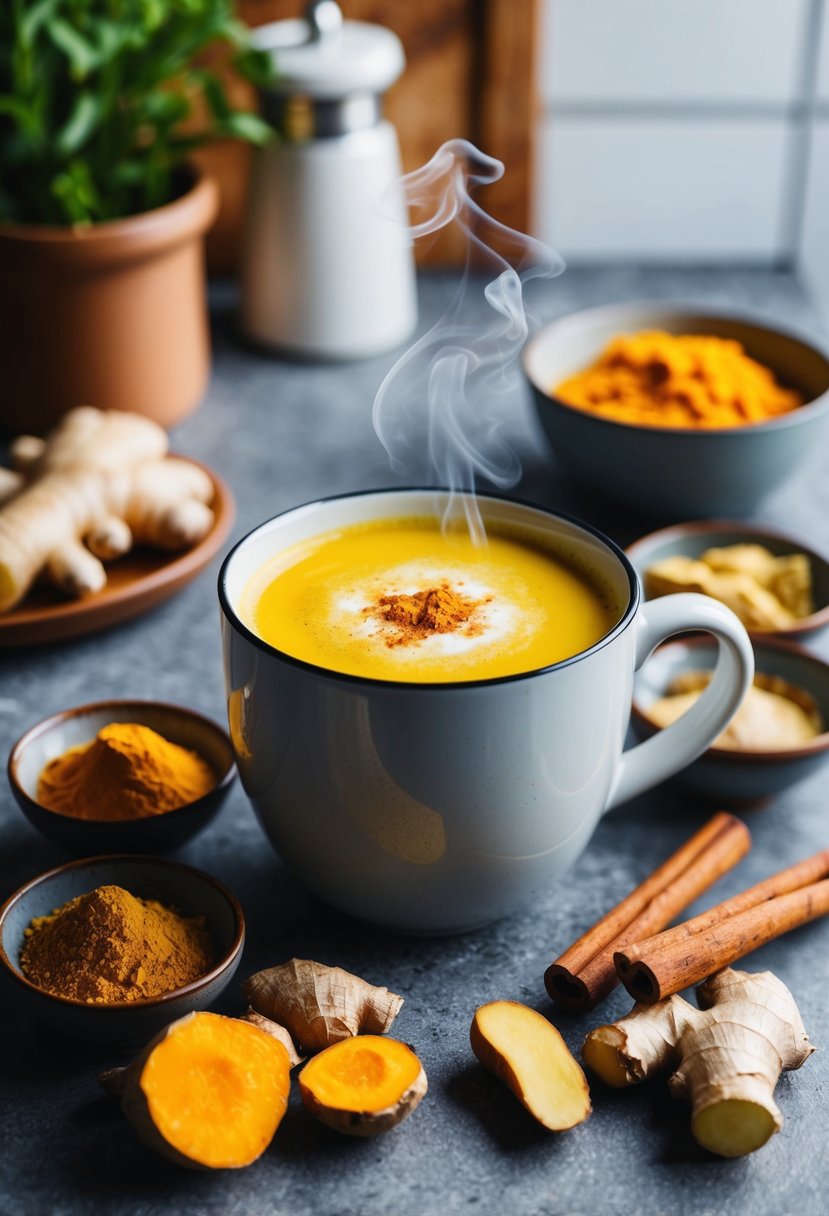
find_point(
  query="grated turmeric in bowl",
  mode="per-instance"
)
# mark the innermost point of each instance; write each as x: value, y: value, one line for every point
x: 655, y: 378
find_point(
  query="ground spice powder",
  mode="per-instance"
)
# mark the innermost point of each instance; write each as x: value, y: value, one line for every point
x: 433, y: 610
x: 110, y: 946
x: 654, y: 378
x: 128, y: 771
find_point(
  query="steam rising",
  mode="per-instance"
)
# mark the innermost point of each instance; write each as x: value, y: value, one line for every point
x: 436, y: 412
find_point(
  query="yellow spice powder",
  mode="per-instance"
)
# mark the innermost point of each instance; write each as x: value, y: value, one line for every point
x: 654, y: 378
x: 127, y: 772
x: 110, y: 946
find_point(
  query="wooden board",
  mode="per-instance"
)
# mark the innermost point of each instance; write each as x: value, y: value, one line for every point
x: 470, y: 73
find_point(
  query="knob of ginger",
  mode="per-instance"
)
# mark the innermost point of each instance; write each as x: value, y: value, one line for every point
x: 101, y: 482
x: 727, y: 1055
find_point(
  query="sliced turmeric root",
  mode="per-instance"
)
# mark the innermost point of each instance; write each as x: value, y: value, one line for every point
x: 363, y: 1085
x: 528, y: 1054
x: 209, y: 1092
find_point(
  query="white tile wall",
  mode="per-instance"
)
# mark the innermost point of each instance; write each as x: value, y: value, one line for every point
x: 813, y: 261
x: 661, y: 190
x: 672, y: 128
x: 823, y: 71
x: 671, y: 50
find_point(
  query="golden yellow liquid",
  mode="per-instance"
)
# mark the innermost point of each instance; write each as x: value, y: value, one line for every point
x: 316, y: 602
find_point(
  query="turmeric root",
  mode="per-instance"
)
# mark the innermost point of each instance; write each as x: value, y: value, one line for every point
x: 528, y: 1054
x: 363, y: 1085
x: 101, y: 482
x: 209, y: 1092
x: 320, y: 1005
x: 727, y: 1055
x: 278, y: 1032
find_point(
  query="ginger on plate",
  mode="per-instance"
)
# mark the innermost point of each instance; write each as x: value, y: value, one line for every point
x: 528, y: 1054
x: 101, y: 482
x: 727, y: 1055
x: 208, y: 1092
x: 363, y: 1085
x: 320, y: 1005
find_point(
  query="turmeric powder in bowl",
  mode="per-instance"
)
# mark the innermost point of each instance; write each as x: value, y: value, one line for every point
x: 654, y: 378
x: 128, y: 771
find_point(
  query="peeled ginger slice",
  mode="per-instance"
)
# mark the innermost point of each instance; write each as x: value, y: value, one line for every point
x: 528, y: 1054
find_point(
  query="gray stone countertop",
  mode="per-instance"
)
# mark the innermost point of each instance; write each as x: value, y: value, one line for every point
x: 281, y: 433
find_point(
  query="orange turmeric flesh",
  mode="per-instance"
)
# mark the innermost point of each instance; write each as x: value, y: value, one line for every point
x: 216, y: 1089
x: 363, y: 1085
x: 678, y: 380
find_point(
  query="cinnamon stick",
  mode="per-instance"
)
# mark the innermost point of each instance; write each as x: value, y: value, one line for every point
x: 585, y: 973
x: 682, y: 956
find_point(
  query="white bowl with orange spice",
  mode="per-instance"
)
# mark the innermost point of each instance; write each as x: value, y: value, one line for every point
x: 122, y: 776
x: 695, y: 427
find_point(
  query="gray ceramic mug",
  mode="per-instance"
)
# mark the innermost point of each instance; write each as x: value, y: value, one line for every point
x: 435, y: 808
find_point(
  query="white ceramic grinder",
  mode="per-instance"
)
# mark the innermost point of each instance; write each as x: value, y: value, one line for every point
x: 327, y: 268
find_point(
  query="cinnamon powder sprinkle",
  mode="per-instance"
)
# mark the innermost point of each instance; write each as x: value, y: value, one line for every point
x: 433, y: 610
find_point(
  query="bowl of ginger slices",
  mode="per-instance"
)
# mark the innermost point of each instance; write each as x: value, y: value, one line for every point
x: 777, y: 585
x: 778, y: 737
x: 678, y: 410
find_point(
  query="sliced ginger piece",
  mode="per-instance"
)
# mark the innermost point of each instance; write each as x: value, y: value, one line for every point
x: 208, y: 1093
x: 320, y: 1005
x: 528, y: 1054
x: 363, y: 1085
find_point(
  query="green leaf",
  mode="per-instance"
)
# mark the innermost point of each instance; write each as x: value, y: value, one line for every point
x: 165, y: 107
x: 80, y: 53
x: 215, y: 96
x: 80, y: 125
x: 18, y: 110
x: 247, y: 126
x: 33, y: 18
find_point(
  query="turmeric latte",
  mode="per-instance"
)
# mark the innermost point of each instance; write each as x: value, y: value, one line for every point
x: 678, y: 380
x: 399, y: 600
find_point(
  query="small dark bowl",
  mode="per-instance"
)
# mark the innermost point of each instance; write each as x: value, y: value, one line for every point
x: 692, y: 539
x: 155, y: 834
x: 133, y: 1023
x: 730, y: 777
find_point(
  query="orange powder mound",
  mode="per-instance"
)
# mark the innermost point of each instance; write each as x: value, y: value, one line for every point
x: 127, y: 772
x: 660, y: 379
x: 433, y: 610
x: 110, y: 946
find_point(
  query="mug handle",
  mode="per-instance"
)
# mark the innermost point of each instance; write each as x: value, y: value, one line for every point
x: 676, y: 746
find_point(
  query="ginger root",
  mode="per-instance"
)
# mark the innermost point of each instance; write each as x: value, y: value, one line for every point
x: 320, y: 1005
x: 101, y: 482
x: 208, y: 1092
x: 528, y: 1054
x: 727, y: 1055
x: 363, y: 1085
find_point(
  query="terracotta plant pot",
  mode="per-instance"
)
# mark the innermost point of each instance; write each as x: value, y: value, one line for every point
x: 113, y: 315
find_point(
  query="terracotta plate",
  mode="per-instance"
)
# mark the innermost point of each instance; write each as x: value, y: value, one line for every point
x: 135, y: 583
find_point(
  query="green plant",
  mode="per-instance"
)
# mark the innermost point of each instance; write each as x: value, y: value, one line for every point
x: 92, y: 97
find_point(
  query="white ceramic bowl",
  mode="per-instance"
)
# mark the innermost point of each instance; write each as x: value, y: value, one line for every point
x: 676, y: 472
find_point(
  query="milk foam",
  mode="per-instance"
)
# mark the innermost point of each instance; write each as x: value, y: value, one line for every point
x: 498, y: 619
